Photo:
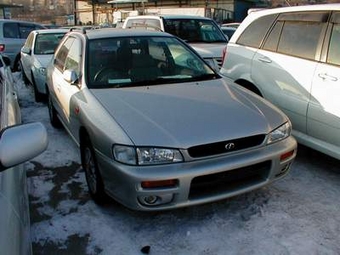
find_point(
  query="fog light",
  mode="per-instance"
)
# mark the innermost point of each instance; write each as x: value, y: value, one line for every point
x: 155, y: 200
x: 150, y: 199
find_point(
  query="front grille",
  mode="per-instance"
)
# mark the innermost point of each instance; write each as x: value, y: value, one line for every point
x: 225, y: 146
x: 229, y: 181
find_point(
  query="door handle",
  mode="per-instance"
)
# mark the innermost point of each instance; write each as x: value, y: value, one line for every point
x: 325, y: 76
x: 265, y: 59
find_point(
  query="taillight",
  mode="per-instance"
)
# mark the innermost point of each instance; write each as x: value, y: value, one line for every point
x: 224, y: 54
x: 2, y: 47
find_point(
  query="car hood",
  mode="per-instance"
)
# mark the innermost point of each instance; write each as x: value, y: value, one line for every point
x: 209, y: 50
x: 188, y: 114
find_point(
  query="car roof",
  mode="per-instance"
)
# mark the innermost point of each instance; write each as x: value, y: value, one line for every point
x: 316, y: 7
x: 52, y: 31
x: 20, y: 21
x: 171, y: 16
x: 118, y: 32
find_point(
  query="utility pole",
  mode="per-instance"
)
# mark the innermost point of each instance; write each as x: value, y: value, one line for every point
x: 75, y: 12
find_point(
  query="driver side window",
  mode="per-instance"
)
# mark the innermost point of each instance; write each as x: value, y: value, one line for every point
x: 72, y: 61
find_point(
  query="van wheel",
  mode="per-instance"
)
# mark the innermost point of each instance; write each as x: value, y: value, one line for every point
x: 92, y: 174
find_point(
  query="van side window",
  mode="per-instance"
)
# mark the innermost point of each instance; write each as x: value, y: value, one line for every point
x: 333, y: 56
x: 286, y: 36
x: 254, y: 34
x: 293, y: 42
x: 11, y: 30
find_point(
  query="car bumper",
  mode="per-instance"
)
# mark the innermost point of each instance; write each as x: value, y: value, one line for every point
x: 195, y: 182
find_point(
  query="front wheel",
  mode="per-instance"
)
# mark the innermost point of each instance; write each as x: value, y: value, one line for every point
x: 52, y: 112
x: 39, y: 97
x: 92, y: 174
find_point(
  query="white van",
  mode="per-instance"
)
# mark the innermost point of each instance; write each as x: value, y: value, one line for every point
x: 13, y: 34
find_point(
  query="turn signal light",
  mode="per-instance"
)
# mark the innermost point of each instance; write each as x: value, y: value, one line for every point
x: 286, y: 155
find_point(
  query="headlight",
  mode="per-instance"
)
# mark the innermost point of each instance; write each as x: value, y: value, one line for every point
x: 146, y: 155
x: 280, y: 133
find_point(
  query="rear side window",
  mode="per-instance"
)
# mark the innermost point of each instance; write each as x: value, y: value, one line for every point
x: 19, y: 30
x: 298, y: 44
x: 11, y: 30
x: 254, y: 34
x: 287, y: 37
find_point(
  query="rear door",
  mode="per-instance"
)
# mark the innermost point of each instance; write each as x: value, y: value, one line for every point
x: 324, y: 109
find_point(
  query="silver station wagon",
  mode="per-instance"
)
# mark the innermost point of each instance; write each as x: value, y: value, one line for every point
x: 157, y: 127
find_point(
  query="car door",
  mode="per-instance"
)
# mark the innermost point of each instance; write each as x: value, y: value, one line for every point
x: 285, y: 65
x: 324, y: 108
x: 67, y: 59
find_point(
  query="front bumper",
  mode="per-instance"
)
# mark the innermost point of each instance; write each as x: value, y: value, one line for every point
x: 196, y: 182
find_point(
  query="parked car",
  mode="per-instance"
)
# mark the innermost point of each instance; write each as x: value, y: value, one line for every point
x: 36, y: 53
x: 157, y: 127
x: 298, y: 72
x: 18, y: 143
x: 203, y: 34
x: 13, y: 34
x: 231, y: 24
x: 228, y: 31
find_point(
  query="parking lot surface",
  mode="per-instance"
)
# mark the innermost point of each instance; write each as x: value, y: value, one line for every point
x: 296, y: 215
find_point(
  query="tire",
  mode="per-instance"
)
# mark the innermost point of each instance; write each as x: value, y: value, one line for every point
x: 17, y: 66
x: 93, y: 177
x: 39, y: 97
x: 24, y: 77
x: 55, y: 122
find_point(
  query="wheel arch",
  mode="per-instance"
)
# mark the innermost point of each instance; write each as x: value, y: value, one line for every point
x: 249, y: 85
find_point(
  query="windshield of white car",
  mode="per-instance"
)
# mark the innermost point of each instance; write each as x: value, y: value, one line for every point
x: 143, y: 61
x: 195, y: 30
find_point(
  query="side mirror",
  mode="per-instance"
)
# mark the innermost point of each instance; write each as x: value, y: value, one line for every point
x: 21, y: 143
x: 26, y: 50
x: 70, y: 76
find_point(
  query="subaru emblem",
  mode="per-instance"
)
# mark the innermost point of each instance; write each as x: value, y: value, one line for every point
x: 229, y: 146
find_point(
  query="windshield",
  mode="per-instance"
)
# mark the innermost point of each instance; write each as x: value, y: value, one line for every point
x: 191, y: 30
x: 46, y: 43
x: 142, y: 61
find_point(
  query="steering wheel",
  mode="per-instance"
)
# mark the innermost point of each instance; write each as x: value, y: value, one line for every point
x: 104, y: 73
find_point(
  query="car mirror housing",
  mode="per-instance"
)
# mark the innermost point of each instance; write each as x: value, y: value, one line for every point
x: 21, y: 143
x: 26, y: 50
x: 70, y: 76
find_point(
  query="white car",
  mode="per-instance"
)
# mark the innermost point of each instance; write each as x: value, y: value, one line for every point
x: 201, y: 33
x: 36, y: 53
x: 18, y: 143
x: 291, y: 57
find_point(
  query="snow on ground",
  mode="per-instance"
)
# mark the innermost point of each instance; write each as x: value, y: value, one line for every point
x: 299, y: 214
